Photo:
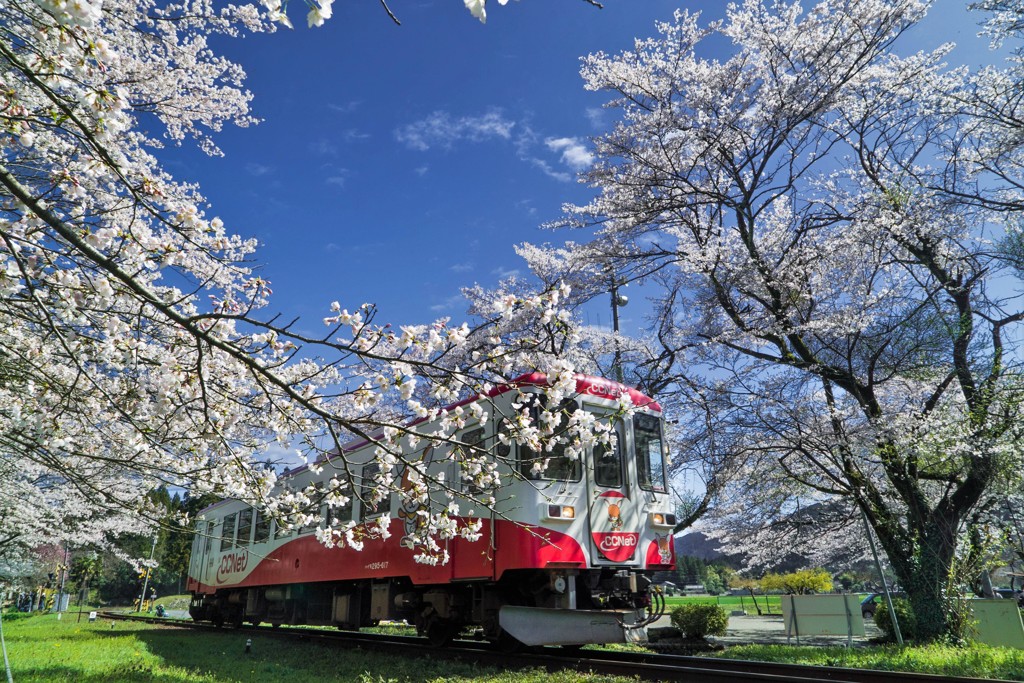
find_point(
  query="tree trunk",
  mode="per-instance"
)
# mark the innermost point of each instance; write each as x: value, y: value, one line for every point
x: 925, y: 574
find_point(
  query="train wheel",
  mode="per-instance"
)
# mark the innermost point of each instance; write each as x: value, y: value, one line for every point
x: 218, y: 619
x: 508, y: 644
x: 255, y: 622
x: 275, y: 624
x: 441, y: 632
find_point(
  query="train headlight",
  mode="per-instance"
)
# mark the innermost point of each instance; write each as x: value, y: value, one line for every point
x: 664, y: 519
x: 561, y: 512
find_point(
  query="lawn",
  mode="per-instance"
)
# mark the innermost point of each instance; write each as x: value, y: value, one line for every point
x: 942, y: 660
x: 43, y: 649
x: 770, y: 604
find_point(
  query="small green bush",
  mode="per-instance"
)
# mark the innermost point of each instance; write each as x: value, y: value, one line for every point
x: 905, y: 616
x: 16, y: 616
x: 699, y: 620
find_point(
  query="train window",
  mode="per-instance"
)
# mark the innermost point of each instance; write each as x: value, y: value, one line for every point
x: 342, y: 513
x: 369, y: 484
x: 280, y: 531
x: 554, y: 464
x: 503, y: 443
x: 262, y: 533
x: 209, y: 536
x: 473, y: 440
x: 473, y: 437
x: 314, y: 509
x: 244, y: 527
x: 608, y: 462
x: 227, y: 532
x: 650, y: 452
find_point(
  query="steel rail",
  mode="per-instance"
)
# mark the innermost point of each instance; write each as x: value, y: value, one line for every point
x: 649, y: 667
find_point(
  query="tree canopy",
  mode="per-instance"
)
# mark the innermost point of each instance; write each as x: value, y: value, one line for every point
x: 136, y: 344
x: 821, y: 217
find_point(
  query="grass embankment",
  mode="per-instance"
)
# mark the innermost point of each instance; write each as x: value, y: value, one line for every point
x: 43, y: 649
x: 943, y: 660
x: 175, y: 601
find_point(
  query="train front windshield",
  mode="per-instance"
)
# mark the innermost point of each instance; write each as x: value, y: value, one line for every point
x: 650, y: 453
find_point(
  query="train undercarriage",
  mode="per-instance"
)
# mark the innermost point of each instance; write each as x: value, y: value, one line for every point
x: 525, y: 607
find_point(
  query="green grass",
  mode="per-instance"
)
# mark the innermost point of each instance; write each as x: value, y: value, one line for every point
x: 175, y: 601
x: 730, y: 602
x: 43, y: 649
x: 943, y: 660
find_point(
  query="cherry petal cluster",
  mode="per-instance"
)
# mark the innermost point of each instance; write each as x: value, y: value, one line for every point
x: 134, y: 345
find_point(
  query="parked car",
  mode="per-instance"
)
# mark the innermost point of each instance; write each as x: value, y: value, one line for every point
x: 1012, y: 594
x: 869, y: 605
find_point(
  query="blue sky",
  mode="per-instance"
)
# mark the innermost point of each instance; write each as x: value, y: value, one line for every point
x: 397, y: 164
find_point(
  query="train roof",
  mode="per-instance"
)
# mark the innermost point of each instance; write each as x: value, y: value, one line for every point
x: 585, y: 385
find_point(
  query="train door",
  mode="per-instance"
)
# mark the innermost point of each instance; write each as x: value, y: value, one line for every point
x: 202, y: 553
x: 614, y: 508
x: 195, y: 559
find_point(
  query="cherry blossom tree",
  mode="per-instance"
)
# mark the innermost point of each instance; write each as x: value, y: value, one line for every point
x: 821, y: 215
x: 135, y: 349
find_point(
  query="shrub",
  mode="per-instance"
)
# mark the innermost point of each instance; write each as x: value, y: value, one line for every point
x: 15, y: 616
x: 904, y: 614
x: 801, y: 582
x: 699, y: 620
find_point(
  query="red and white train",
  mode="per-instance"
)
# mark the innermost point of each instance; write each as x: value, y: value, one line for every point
x: 564, y: 559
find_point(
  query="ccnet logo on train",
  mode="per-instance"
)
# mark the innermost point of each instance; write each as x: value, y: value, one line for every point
x: 608, y: 516
x: 231, y: 564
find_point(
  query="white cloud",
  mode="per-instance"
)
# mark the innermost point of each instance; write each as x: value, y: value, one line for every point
x: 450, y: 303
x: 526, y: 205
x: 354, y: 135
x: 346, y: 108
x: 575, y: 155
x: 561, y: 176
x: 253, y: 168
x: 338, y: 177
x: 505, y: 272
x: 323, y: 147
x: 421, y: 170
x: 598, y: 117
x: 461, y: 267
x: 441, y: 129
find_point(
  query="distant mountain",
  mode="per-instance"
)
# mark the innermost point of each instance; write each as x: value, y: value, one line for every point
x: 805, y: 525
x: 696, y: 544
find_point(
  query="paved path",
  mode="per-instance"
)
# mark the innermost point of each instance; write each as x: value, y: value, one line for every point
x: 769, y: 630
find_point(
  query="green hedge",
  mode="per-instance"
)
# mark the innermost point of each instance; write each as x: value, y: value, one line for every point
x: 697, y: 621
x: 905, y: 616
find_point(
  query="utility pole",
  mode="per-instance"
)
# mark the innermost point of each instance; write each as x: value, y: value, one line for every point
x: 63, y: 578
x: 617, y: 301
x: 885, y: 585
x: 149, y: 570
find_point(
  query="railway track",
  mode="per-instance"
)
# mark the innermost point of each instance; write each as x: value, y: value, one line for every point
x: 648, y: 667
